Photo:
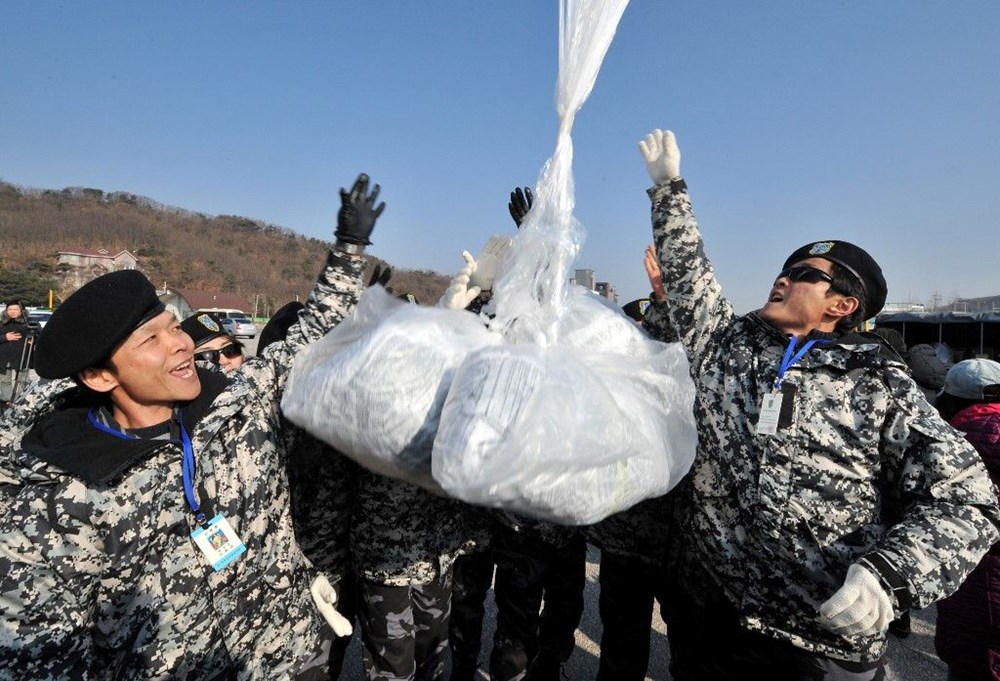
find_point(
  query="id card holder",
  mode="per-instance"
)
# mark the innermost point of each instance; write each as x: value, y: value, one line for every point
x: 219, y: 542
x: 770, y: 412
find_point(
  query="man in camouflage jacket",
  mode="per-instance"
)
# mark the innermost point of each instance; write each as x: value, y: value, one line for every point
x: 404, y: 542
x: 99, y: 575
x: 827, y: 496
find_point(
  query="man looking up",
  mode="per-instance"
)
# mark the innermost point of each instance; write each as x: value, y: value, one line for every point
x: 146, y: 530
x: 827, y: 496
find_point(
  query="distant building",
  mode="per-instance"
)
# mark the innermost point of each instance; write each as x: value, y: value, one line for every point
x: 586, y: 279
x: 183, y: 301
x: 904, y: 307
x: 984, y: 304
x: 607, y: 290
x: 75, y: 268
x: 97, y: 259
x: 967, y: 334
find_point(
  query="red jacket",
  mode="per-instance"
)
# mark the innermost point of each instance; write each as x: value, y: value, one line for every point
x: 968, y: 621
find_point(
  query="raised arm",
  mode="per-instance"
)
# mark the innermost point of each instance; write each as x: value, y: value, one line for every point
x: 696, y: 306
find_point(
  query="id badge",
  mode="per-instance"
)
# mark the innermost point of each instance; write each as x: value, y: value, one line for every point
x: 219, y: 542
x: 770, y: 410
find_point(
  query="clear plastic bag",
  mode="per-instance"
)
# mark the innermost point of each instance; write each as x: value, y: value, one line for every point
x: 374, y: 386
x: 566, y: 434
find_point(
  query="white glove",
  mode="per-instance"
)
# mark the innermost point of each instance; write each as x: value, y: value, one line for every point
x: 663, y: 158
x: 325, y: 597
x: 485, y: 270
x: 861, y: 607
x: 458, y: 295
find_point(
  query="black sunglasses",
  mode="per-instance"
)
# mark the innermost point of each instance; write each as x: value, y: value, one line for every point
x: 810, y: 275
x: 213, y: 356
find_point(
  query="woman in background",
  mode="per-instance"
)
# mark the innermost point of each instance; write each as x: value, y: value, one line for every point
x: 212, y: 345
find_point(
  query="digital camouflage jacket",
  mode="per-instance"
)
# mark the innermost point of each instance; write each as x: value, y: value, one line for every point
x: 861, y: 469
x: 401, y: 534
x: 99, y: 577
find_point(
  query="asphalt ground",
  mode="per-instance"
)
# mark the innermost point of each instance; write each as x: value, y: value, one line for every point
x: 909, y: 659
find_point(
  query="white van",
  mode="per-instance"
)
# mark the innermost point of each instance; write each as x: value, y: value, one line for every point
x: 222, y: 312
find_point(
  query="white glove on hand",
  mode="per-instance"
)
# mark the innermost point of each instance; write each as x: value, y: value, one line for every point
x: 486, y: 265
x: 861, y: 607
x: 325, y: 597
x: 458, y: 295
x: 663, y: 158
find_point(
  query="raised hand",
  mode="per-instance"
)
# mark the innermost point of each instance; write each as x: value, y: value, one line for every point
x: 357, y: 214
x: 663, y: 157
x: 485, y: 270
x: 653, y: 272
x: 459, y: 294
x: 520, y: 204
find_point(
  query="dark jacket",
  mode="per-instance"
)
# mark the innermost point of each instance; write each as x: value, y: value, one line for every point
x: 968, y: 621
x: 11, y: 352
x: 99, y: 577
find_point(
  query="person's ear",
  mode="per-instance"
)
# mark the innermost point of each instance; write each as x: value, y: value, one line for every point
x: 842, y: 306
x: 99, y: 380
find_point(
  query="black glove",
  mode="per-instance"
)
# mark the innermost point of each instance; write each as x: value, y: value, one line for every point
x: 520, y: 204
x: 357, y: 214
x: 380, y: 276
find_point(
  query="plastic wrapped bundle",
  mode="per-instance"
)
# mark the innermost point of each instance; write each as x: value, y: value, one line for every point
x: 374, y: 387
x: 569, y: 435
x: 595, y: 323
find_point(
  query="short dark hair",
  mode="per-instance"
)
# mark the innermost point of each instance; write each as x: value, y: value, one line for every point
x: 847, y: 284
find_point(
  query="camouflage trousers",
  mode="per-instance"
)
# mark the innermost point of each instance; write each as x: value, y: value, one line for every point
x: 404, y: 629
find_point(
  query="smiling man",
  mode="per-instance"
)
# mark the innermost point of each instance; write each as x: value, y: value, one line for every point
x: 146, y: 528
x: 827, y: 496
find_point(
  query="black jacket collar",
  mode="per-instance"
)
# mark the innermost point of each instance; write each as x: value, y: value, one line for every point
x: 68, y: 441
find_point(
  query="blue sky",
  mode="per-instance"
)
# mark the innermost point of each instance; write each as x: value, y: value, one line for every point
x: 877, y: 122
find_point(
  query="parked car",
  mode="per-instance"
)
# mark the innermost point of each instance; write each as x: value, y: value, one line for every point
x: 37, y: 316
x: 239, y: 326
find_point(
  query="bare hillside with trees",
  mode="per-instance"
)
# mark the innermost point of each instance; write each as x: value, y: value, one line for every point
x: 177, y: 248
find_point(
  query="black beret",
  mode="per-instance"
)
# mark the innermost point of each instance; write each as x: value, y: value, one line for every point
x: 277, y: 326
x: 202, y: 327
x: 637, y: 309
x: 86, y: 329
x: 856, y: 261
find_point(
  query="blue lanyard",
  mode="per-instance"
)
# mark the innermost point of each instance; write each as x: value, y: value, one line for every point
x: 188, y: 466
x: 789, y: 359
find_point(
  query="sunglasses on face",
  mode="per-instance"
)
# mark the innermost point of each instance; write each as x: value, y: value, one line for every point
x: 230, y: 351
x: 810, y: 275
